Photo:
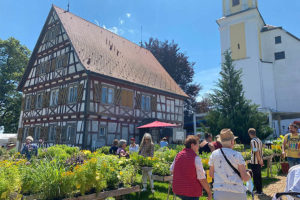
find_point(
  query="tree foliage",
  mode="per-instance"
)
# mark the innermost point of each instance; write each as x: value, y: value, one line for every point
x: 13, y: 60
x: 177, y: 65
x: 231, y: 109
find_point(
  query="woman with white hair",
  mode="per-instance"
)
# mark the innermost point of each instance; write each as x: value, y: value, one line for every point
x: 147, y: 150
x: 228, y: 168
x: 121, y: 150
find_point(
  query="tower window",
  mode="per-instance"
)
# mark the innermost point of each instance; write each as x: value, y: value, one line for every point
x: 239, y: 47
x: 279, y: 55
x: 277, y: 39
x: 235, y: 2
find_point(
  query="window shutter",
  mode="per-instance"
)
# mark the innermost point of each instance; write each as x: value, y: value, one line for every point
x: 64, y: 134
x: 44, y: 133
x: 79, y: 92
x: 30, y: 131
x: 53, y: 65
x: 138, y: 101
x: 97, y: 91
x: 60, y: 96
x: 63, y: 95
x: 38, y: 70
x: 46, y: 99
x: 117, y: 96
x: 153, y: 103
x: 20, y: 134
x: 65, y: 59
x: 47, y: 66
x: 33, y: 98
x: 58, y: 135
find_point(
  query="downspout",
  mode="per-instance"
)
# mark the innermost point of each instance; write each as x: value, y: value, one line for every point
x: 86, y: 110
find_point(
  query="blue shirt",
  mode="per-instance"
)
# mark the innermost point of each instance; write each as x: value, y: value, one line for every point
x: 30, y: 150
x: 163, y: 143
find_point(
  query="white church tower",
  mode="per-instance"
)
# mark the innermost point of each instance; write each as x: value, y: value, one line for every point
x: 269, y: 57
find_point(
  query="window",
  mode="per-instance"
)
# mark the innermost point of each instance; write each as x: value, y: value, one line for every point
x: 37, y: 133
x: 235, y: 2
x: 277, y: 39
x: 54, y: 97
x: 27, y: 102
x: 279, y: 55
x: 71, y: 134
x: 39, y: 101
x: 102, y: 131
x: 107, y: 95
x: 72, y: 94
x: 145, y: 103
x: 25, y: 133
x: 59, y: 62
x: 52, y: 133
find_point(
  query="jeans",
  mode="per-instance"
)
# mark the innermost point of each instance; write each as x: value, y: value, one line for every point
x: 293, y: 161
x: 222, y: 195
x: 256, y: 169
x: 188, y: 198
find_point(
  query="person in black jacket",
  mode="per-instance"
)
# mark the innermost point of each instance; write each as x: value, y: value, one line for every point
x: 113, y: 149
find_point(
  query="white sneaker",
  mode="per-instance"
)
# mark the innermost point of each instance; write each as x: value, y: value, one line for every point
x: 152, y: 190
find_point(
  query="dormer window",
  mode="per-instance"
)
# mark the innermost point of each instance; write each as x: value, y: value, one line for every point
x: 235, y: 2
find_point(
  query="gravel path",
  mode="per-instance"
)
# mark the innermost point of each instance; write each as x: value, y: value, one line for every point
x: 272, y: 189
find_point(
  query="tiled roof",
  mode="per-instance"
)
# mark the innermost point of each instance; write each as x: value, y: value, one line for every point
x: 106, y: 53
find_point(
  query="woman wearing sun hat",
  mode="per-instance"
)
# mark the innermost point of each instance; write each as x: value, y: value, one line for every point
x: 228, y: 168
x: 29, y: 149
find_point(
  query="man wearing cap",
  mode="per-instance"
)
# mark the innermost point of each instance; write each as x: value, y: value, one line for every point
x: 133, y: 147
x: 291, y: 146
x: 29, y: 149
x: 163, y: 142
x: 228, y: 168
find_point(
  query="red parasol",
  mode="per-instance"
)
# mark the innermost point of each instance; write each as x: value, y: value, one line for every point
x: 157, y: 124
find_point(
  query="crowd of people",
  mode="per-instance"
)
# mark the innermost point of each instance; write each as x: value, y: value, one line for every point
x: 227, y: 166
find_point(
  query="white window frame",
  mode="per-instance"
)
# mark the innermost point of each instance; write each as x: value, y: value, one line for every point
x: 39, y: 100
x: 70, y: 126
x: 146, y: 102
x: 54, y: 99
x: 27, y: 102
x: 72, y: 94
x: 52, y: 132
x: 37, y: 132
x: 25, y: 132
x: 107, y: 95
x: 59, y: 62
x: 102, y: 131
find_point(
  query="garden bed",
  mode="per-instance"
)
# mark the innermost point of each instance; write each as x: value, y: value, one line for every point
x: 95, y: 196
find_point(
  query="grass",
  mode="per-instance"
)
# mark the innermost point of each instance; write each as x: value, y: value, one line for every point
x: 161, y: 189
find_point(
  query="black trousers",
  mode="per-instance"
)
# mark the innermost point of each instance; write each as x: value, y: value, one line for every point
x: 256, y: 169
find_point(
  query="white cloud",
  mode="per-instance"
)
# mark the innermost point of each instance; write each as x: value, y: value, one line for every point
x: 121, y: 21
x: 97, y: 23
x: 131, y: 31
x: 114, y: 29
x: 128, y: 15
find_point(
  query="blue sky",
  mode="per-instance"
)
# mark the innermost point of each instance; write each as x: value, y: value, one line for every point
x: 190, y: 23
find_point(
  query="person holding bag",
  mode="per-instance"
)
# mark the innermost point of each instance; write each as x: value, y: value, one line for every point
x: 228, y: 168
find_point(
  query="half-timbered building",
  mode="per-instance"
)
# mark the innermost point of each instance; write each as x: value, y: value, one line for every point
x: 86, y: 86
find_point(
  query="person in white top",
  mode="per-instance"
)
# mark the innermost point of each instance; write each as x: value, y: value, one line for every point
x: 228, y: 185
x: 133, y: 147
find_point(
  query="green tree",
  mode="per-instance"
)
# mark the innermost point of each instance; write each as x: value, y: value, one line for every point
x: 230, y: 109
x: 177, y: 65
x: 13, y: 60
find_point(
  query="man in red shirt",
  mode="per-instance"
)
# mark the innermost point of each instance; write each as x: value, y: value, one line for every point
x: 188, y: 173
x: 217, y: 144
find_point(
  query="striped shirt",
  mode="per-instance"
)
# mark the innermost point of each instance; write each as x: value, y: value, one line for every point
x: 256, y: 146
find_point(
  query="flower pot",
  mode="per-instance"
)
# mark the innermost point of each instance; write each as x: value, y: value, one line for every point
x: 285, y: 167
